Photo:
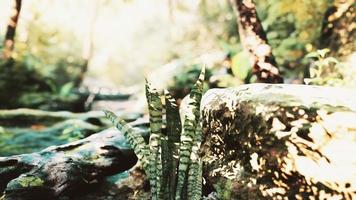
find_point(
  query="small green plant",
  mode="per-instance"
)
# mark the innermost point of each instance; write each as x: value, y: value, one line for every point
x: 325, y: 70
x: 224, y: 189
x: 171, y: 159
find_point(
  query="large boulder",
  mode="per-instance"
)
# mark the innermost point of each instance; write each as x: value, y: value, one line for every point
x: 265, y: 141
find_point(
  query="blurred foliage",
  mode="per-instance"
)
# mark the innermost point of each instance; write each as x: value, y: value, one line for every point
x: 327, y: 70
x: 339, y: 30
x: 51, y: 51
x: 221, y: 21
x: 241, y: 66
x: 293, y: 29
x: 46, y: 66
x: 184, y: 80
x: 26, y: 87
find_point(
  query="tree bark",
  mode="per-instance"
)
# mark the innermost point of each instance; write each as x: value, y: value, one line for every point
x: 254, y: 40
x: 11, y: 29
x: 60, y: 171
x: 338, y: 30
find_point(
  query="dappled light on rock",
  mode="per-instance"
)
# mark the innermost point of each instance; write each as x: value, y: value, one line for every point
x: 298, y: 145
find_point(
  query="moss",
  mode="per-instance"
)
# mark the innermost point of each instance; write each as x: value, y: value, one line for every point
x: 30, y: 181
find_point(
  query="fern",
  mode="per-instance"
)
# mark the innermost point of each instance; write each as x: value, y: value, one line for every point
x: 171, y: 159
x: 155, y: 114
x: 189, y: 135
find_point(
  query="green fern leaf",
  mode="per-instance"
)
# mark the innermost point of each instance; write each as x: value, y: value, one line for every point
x: 195, y: 168
x: 173, y: 130
x: 155, y: 115
x: 134, y: 138
x: 189, y: 134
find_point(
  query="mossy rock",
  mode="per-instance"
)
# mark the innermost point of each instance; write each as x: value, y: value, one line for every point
x: 267, y: 141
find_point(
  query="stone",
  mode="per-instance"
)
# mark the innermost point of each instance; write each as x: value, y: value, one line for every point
x: 273, y: 141
x: 58, y: 172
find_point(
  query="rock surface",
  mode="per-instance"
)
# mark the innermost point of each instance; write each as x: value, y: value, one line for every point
x: 34, y: 138
x: 267, y: 141
x: 60, y: 171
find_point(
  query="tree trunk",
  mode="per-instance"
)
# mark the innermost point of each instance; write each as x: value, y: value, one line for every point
x: 11, y: 29
x: 254, y: 40
x: 61, y: 171
x: 338, y: 31
x: 88, y: 43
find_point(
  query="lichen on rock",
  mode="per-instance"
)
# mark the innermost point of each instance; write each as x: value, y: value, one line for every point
x: 280, y: 142
x: 30, y: 181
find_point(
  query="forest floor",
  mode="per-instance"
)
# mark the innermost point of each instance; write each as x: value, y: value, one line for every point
x: 18, y: 138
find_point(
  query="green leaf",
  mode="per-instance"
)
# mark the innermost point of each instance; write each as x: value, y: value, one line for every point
x: 189, y: 134
x: 312, y: 55
x: 66, y: 89
x: 323, y: 52
x: 155, y: 115
x: 134, y: 138
x: 173, y: 130
x: 241, y: 65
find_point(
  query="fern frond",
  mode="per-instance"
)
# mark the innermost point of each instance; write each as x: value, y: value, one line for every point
x: 189, y: 133
x: 171, y: 159
x: 173, y: 130
x: 155, y: 114
x: 134, y: 138
x: 195, y: 168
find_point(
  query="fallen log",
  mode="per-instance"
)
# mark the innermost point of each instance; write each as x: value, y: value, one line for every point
x: 59, y: 171
x: 25, y: 116
x: 264, y: 141
x: 107, y: 96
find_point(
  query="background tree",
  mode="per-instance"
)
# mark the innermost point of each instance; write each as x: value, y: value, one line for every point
x: 88, y: 43
x: 11, y: 29
x: 339, y: 29
x: 254, y: 40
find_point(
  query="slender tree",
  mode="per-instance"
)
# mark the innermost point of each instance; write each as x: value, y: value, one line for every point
x: 254, y: 40
x: 11, y: 30
x: 88, y: 42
